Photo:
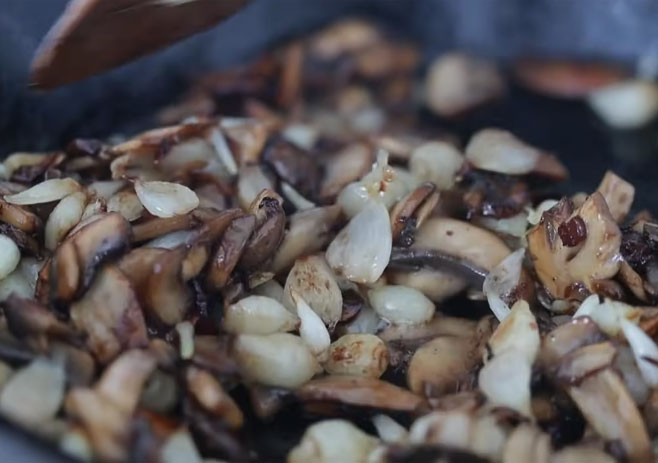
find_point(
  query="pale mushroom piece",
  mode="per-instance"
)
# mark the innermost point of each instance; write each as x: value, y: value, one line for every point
x: 586, y: 250
x: 618, y: 195
x: 19, y: 217
x: 357, y: 354
x: 527, y: 443
x: 437, y: 162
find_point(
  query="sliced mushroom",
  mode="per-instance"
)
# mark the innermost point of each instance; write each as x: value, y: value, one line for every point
x: 127, y: 204
x: 618, y: 195
x: 580, y: 453
x: 210, y: 394
x: 27, y: 318
x: 165, y: 295
x: 462, y: 240
x: 579, y: 332
x: 499, y: 151
x: 360, y: 391
x: 582, y: 362
x: 589, y: 253
x: 527, y: 443
x: 19, y: 217
x: 110, y: 314
x: 247, y: 138
x: 610, y: 410
x: 314, y: 281
x: 411, y: 211
x: 156, y: 227
x: 269, y: 230
x: 75, y: 261
x: 308, y: 232
x: 229, y: 250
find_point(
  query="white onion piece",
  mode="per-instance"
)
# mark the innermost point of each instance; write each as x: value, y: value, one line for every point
x: 18, y: 283
x: 361, y: 251
x: 127, y: 204
x: 644, y: 350
x: 45, y: 192
x: 401, y: 304
x: 505, y: 381
x: 75, y: 443
x: 179, y: 447
x: 258, y: 315
x: 608, y: 314
x: 63, y: 218
x: 251, y: 181
x: 436, y: 162
x: 218, y: 141
x: 381, y: 185
x: 312, y: 329
x: 502, y: 279
x: 517, y: 332
x: 332, y: 441
x: 271, y: 289
x: 9, y: 257
x: 500, y: 151
x: 514, y: 226
x: 105, y: 189
x: 171, y: 240
x: 626, y: 105
x: 34, y: 393
x: 185, y: 332
x: 278, y: 359
x: 389, y: 430
x: 16, y: 160
x: 166, y: 199
x: 534, y: 215
x: 366, y: 322
x: 300, y: 203
x: 303, y: 136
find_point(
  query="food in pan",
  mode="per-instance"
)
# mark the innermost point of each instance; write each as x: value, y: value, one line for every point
x: 298, y: 267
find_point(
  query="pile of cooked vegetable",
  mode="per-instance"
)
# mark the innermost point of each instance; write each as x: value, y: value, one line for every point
x: 298, y: 267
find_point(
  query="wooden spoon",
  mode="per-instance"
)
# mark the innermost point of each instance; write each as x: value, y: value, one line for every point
x: 93, y: 36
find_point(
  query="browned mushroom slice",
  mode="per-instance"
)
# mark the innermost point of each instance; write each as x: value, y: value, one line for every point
x: 577, y: 365
x: 439, y: 366
x: 293, y: 166
x: 213, y: 353
x: 500, y: 151
x: 618, y: 195
x: 247, y: 137
x: 166, y: 297
x: 28, y: 318
x: 527, y: 443
x: 19, y: 217
x: 210, y: 395
x: 158, y: 226
x: 308, y: 232
x: 411, y: 211
x: 412, y: 453
x: 42, y: 287
x: 579, y: 332
x: 608, y: 407
x: 75, y: 261
x: 360, y: 391
x: 138, y: 264
x: 25, y: 242
x: 229, y: 250
x: 578, y: 249
x: 270, y: 227
x: 633, y: 281
x: 110, y: 315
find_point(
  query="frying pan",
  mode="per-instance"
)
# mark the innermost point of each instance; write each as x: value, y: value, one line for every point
x: 123, y: 100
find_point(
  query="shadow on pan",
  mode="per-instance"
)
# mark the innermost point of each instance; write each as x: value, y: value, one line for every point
x: 123, y: 100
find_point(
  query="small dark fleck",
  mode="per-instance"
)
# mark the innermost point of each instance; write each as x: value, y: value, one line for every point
x: 573, y: 232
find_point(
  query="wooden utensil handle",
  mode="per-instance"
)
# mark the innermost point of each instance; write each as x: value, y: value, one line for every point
x: 93, y: 36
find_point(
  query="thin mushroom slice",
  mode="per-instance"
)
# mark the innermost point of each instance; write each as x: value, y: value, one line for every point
x: 19, y: 217
x: 110, y: 314
x: 411, y: 211
x: 165, y: 296
x: 76, y: 260
x: 211, y: 396
x: 158, y: 226
x: 229, y: 250
x: 344, y: 167
x: 579, y: 247
x: 360, y: 391
x: 269, y: 230
x: 618, y: 195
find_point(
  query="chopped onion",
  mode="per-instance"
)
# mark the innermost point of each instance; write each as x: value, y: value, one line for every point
x: 9, y: 257
x: 258, y: 315
x: 362, y: 249
x: 499, y: 151
x: 626, y: 105
x: 608, y: 314
x: 501, y: 280
x: 34, y: 393
x: 505, y: 381
x: 644, y: 350
x: 165, y: 199
x: 517, y: 332
x: 127, y: 204
x: 401, y: 304
x: 312, y: 329
x: 45, y: 192
x: 63, y: 218
x: 389, y: 430
x: 171, y: 240
x: 105, y: 189
x: 218, y: 141
x: 437, y: 162
x: 185, y: 332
